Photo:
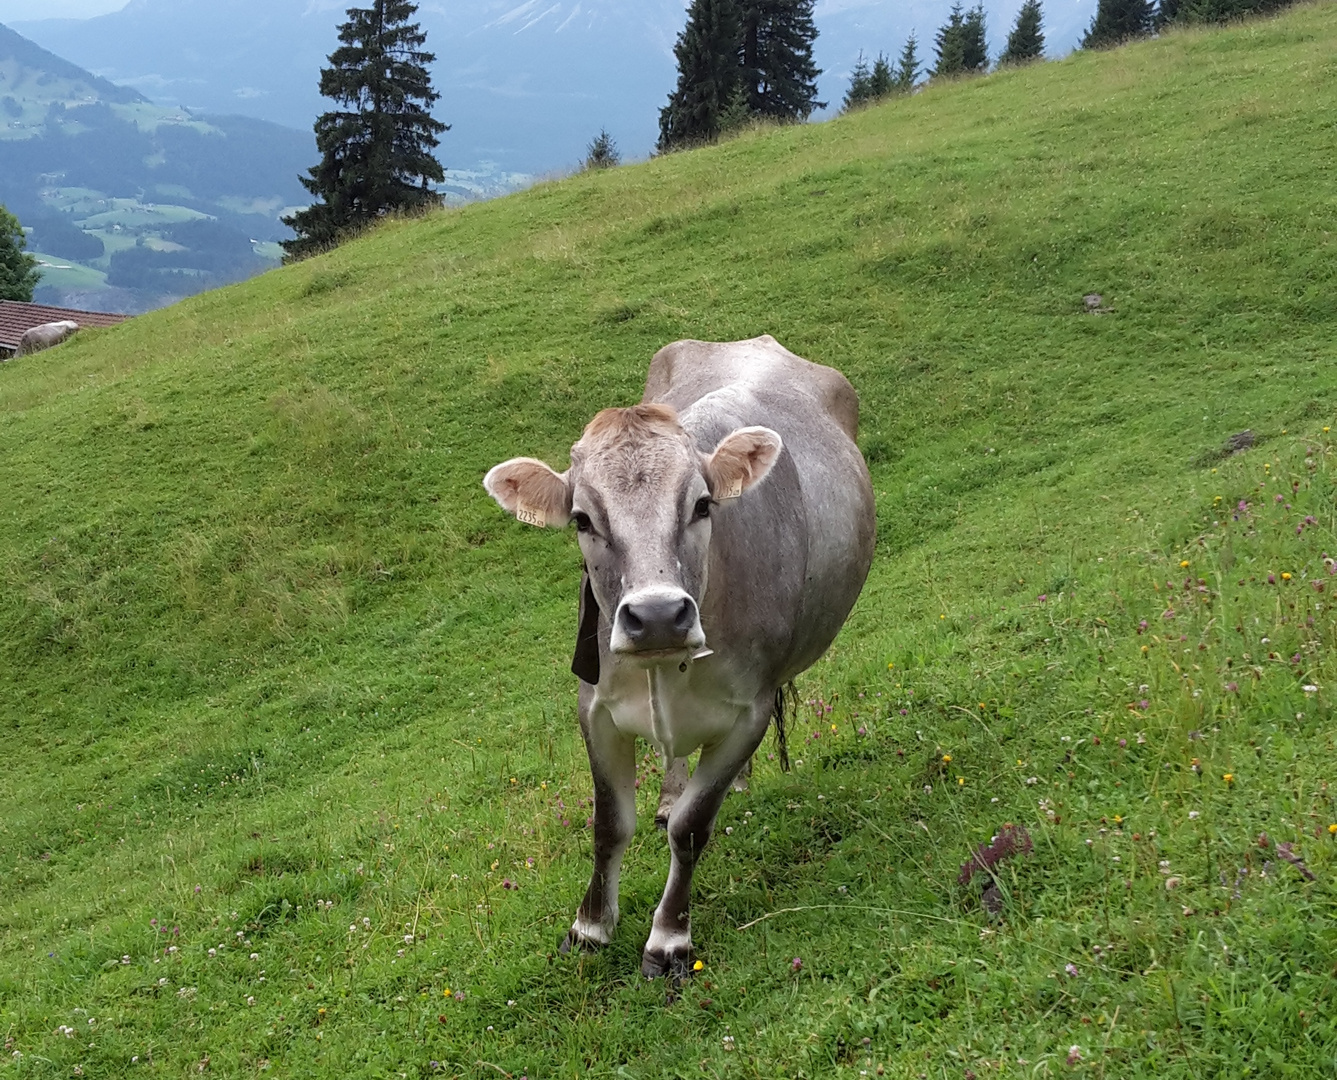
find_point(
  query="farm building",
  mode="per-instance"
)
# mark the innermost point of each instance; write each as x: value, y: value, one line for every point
x: 16, y: 317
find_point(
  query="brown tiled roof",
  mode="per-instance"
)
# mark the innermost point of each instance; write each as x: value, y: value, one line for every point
x: 16, y: 317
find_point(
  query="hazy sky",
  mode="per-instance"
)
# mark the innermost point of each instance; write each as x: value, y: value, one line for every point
x: 18, y: 10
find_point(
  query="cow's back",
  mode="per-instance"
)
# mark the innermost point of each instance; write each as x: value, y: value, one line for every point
x: 789, y: 560
x: 685, y: 371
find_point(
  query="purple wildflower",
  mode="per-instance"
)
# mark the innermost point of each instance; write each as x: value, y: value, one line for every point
x: 1011, y: 840
x: 1284, y: 850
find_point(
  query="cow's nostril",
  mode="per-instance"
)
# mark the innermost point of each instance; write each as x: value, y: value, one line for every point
x: 683, y: 619
x: 632, y: 623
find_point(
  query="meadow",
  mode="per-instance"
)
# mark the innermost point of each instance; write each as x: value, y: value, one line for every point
x: 292, y: 782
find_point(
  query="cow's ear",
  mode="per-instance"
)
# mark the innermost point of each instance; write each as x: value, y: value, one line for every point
x: 741, y: 460
x: 531, y: 491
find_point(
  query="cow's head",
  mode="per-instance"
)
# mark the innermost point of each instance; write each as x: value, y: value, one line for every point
x: 642, y: 497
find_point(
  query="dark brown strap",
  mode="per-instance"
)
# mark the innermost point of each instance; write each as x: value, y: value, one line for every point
x: 585, y: 664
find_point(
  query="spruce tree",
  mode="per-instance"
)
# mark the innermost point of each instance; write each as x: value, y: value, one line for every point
x: 602, y: 152
x: 907, y: 67
x: 881, y: 83
x: 778, y: 36
x: 950, y: 44
x: 974, y: 44
x: 376, y: 152
x: 710, y: 70
x: 1167, y: 11
x: 18, y: 270
x: 860, y: 91
x: 1027, y: 40
x: 1117, y: 21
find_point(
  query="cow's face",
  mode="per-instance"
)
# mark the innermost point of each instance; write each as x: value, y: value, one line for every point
x: 641, y: 496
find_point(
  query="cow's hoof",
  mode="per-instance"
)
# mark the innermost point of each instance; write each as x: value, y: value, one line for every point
x: 662, y: 816
x: 676, y: 966
x: 575, y: 941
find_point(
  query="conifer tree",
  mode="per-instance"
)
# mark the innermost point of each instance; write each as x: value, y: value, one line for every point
x: 1027, y: 40
x: 781, y: 77
x: 1117, y: 21
x: 974, y: 45
x: 949, y: 44
x: 868, y: 85
x: 880, y: 83
x: 860, y: 90
x: 710, y: 70
x: 376, y: 150
x: 602, y: 152
x: 1167, y: 11
x: 18, y: 270
x: 907, y: 67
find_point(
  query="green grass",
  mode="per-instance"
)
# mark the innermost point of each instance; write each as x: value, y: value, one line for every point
x: 280, y: 680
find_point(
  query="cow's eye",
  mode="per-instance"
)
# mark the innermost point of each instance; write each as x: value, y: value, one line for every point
x: 582, y: 521
x: 702, y: 508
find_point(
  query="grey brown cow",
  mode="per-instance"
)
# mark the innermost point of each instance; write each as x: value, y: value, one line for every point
x: 726, y: 524
x: 37, y: 338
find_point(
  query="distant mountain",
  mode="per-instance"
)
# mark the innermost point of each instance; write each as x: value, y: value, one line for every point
x: 129, y: 204
x: 526, y: 83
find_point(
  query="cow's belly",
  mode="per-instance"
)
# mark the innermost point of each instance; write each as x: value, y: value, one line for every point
x: 675, y: 711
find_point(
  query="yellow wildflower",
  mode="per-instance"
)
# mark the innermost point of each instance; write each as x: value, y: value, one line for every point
x: 698, y: 966
x: 946, y: 758
x: 1285, y: 575
x: 960, y: 780
x: 1229, y: 778
x: 1183, y: 564
x: 1333, y: 829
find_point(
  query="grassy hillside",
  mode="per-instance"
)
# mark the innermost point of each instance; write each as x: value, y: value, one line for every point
x: 292, y: 780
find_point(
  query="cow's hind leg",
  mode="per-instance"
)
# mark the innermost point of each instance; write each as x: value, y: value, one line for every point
x: 675, y: 779
x: 740, y: 781
x: 613, y: 766
x: 669, y: 949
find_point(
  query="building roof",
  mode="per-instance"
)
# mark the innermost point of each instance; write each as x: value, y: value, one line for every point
x: 16, y: 317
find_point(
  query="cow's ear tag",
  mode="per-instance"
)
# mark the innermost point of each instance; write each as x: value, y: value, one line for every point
x: 531, y: 515
x: 733, y: 491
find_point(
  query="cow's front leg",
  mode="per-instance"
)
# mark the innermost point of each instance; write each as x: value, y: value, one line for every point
x: 669, y: 949
x: 613, y: 766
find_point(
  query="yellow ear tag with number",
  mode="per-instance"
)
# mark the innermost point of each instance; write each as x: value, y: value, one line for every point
x: 531, y: 515
x: 733, y: 491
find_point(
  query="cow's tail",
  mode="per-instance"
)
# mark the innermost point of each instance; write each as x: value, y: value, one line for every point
x: 786, y: 701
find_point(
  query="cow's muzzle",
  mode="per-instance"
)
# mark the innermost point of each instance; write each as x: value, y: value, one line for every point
x: 659, y: 624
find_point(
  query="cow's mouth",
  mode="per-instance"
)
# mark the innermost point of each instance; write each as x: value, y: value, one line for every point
x: 681, y: 656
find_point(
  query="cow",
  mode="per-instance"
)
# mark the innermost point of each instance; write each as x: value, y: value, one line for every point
x: 726, y: 524
x: 37, y: 338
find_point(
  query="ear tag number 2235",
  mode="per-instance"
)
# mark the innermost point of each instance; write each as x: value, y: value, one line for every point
x: 531, y: 515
